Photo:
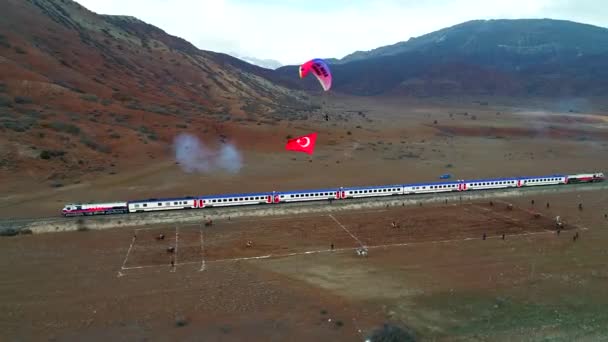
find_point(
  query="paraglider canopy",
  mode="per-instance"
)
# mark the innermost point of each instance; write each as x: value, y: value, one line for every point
x: 320, y: 69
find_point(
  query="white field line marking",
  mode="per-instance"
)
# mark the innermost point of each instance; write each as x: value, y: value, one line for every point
x: 148, y: 228
x: 128, y: 252
x: 144, y: 266
x: 269, y: 256
x: 506, y: 217
x: 578, y: 226
x: 238, y: 219
x: 202, y: 250
x: 351, y: 234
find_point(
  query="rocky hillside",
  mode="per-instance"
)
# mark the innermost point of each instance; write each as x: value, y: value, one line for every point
x: 79, y: 91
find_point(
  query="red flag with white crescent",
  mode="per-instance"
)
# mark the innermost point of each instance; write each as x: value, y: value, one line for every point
x: 305, y: 143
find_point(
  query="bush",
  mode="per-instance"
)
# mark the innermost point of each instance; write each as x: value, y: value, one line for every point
x: 8, y: 232
x: 390, y: 333
x: 25, y: 231
x: 180, y: 322
x: 18, y: 126
x: 89, y: 97
x: 48, y: 154
x: 5, y: 101
x: 87, y: 141
x: 45, y: 155
x: 23, y: 100
x: 4, y: 41
x: 115, y: 136
x: 65, y: 127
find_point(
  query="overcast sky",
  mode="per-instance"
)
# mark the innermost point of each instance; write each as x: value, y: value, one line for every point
x: 292, y: 31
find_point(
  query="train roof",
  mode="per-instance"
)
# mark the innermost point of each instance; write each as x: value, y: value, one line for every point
x: 434, y: 183
x: 373, y: 187
x: 307, y: 191
x: 163, y: 199
x: 237, y: 195
x: 200, y: 197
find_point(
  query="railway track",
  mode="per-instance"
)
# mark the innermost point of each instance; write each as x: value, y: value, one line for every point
x: 50, y: 224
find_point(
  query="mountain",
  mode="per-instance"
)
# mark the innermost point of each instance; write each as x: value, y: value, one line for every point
x: 528, y: 57
x: 81, y: 91
x: 264, y: 63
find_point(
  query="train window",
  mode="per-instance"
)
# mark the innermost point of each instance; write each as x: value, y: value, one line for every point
x: 145, y: 204
x: 137, y: 206
x: 160, y: 204
x: 240, y: 199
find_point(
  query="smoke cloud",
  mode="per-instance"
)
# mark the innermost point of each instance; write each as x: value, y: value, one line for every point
x: 193, y: 156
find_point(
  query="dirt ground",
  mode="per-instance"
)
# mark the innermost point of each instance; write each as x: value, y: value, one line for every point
x: 434, y: 273
x: 367, y: 141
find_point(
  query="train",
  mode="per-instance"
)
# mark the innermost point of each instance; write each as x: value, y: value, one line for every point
x: 327, y: 194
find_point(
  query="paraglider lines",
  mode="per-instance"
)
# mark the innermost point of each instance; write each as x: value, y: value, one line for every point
x: 346, y: 230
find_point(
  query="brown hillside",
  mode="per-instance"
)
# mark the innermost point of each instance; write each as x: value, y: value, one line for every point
x: 93, y: 91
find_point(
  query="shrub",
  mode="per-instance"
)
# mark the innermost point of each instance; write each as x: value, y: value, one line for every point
x: 180, y: 322
x: 89, y: 97
x: 115, y: 136
x: 25, y: 231
x: 5, y: 101
x: 17, y: 126
x: 87, y: 141
x: 23, y: 100
x: 65, y: 127
x: 4, y: 41
x: 45, y: 154
x: 8, y: 232
x: 392, y: 333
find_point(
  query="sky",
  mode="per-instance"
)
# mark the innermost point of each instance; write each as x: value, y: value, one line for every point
x: 293, y: 32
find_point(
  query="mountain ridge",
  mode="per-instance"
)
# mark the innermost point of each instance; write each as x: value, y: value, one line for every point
x: 522, y: 57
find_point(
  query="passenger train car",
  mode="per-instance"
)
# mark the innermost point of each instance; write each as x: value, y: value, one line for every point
x: 274, y: 197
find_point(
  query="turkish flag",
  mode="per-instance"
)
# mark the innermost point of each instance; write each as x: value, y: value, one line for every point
x: 305, y: 143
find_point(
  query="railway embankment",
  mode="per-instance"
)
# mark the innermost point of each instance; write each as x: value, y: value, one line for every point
x: 61, y: 224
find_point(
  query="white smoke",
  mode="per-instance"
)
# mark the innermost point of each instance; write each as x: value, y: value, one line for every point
x: 193, y: 156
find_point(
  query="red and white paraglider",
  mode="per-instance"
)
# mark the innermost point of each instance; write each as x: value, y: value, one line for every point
x: 320, y: 69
